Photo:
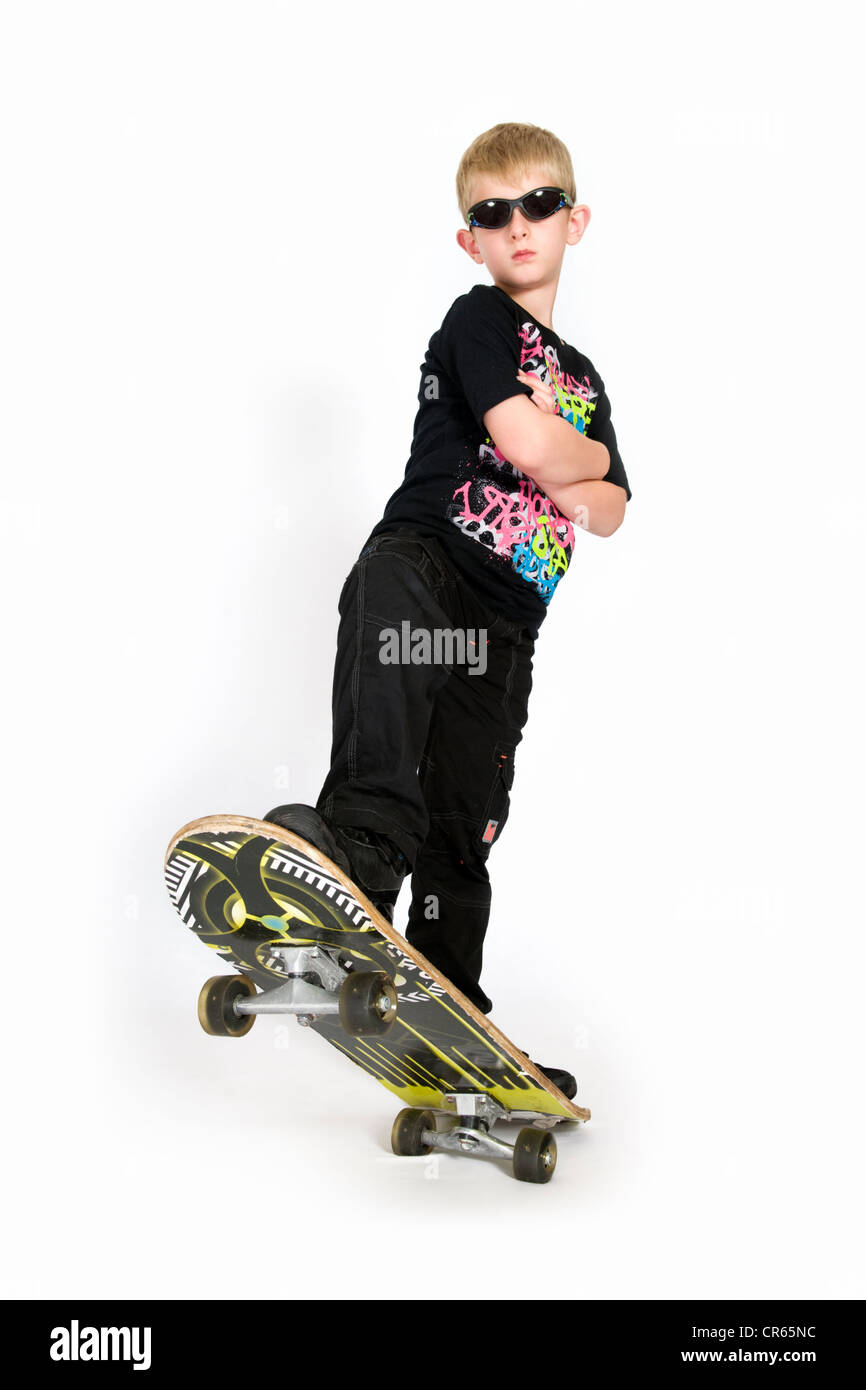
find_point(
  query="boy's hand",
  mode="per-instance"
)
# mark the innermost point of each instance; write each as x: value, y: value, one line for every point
x: 542, y: 395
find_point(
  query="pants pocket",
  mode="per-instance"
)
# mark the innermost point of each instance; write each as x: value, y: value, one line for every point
x: 498, y: 800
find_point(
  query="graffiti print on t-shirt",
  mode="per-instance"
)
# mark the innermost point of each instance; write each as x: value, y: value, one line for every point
x: 502, y: 508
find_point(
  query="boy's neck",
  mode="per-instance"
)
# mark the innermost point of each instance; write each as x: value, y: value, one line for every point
x: 537, y: 299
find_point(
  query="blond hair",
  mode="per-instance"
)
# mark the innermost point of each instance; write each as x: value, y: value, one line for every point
x: 510, y: 150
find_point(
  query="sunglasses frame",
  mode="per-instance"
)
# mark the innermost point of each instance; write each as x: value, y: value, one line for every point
x: 519, y: 203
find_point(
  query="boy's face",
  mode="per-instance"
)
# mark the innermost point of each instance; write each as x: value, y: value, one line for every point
x: 524, y: 254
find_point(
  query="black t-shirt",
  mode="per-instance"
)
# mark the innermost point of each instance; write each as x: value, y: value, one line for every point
x: 502, y: 532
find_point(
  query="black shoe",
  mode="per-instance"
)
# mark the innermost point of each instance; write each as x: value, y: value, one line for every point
x: 369, y: 859
x: 562, y: 1080
x: 377, y: 865
x: 305, y: 821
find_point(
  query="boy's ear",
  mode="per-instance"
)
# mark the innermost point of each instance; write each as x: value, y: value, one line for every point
x: 469, y: 244
x: 578, y: 221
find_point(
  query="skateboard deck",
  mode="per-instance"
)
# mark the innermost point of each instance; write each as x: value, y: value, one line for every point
x: 289, y: 920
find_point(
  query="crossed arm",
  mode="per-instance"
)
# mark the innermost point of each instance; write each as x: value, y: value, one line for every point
x: 565, y: 464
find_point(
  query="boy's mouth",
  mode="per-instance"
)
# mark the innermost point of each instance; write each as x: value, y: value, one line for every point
x: 522, y: 255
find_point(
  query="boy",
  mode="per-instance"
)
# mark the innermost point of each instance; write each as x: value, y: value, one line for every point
x: 513, y: 448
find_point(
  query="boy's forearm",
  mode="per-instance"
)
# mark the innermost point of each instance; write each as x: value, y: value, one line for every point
x: 595, y: 506
x: 566, y: 455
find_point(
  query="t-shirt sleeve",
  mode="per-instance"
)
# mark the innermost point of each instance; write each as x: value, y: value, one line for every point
x: 480, y: 350
x: 601, y: 428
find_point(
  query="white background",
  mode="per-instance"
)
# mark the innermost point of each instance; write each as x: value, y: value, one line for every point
x: 229, y: 232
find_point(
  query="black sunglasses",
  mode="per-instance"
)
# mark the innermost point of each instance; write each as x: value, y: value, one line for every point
x: 496, y: 212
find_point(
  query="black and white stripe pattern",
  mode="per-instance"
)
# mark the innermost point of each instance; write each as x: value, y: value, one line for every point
x: 287, y: 861
x: 179, y: 874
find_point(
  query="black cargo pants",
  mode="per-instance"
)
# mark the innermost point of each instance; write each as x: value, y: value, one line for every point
x: 424, y: 753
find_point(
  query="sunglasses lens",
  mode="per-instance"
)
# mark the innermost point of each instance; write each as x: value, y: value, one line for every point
x: 493, y: 213
x: 542, y: 203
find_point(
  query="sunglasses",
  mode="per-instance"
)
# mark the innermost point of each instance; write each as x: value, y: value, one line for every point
x: 496, y: 212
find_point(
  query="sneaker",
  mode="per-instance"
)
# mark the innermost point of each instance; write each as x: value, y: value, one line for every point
x: 378, y: 866
x: 305, y: 821
x: 369, y: 859
x: 562, y: 1080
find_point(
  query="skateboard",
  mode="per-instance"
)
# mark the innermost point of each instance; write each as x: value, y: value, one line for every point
x: 304, y: 940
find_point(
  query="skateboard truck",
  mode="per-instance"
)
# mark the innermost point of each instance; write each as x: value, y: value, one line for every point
x: 476, y: 1115
x: 532, y: 1158
x: 365, y: 1001
x: 299, y: 995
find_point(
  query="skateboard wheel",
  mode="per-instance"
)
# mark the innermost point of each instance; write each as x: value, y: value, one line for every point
x: 407, y: 1130
x: 534, y: 1155
x: 216, y: 1006
x: 368, y: 1003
